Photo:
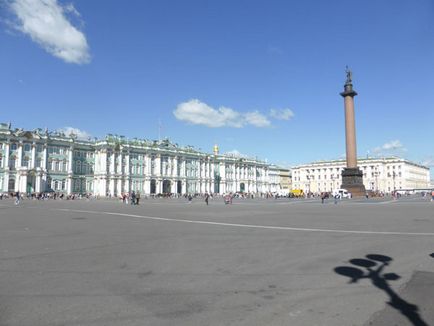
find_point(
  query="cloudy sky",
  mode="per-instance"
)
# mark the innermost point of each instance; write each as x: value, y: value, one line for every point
x: 259, y: 78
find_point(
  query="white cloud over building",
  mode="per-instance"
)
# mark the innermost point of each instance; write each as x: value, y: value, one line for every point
x: 200, y: 113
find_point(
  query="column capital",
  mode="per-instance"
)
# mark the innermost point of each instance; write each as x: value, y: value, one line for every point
x: 348, y: 91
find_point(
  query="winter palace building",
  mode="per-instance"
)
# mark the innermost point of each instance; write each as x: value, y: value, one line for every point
x: 40, y: 161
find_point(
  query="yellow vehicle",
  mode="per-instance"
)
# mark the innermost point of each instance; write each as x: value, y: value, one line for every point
x: 297, y: 192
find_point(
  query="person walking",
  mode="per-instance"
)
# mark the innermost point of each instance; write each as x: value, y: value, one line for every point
x: 133, y: 198
x: 137, y: 197
x: 17, y: 198
x: 206, y: 199
x: 432, y: 195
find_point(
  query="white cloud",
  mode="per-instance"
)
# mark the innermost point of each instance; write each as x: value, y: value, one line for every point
x: 46, y: 23
x: 281, y: 114
x: 197, y: 112
x: 235, y: 153
x: 256, y: 119
x: 428, y: 162
x: 391, y: 147
x: 81, y: 134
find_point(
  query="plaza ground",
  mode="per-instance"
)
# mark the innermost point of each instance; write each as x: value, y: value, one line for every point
x: 256, y: 262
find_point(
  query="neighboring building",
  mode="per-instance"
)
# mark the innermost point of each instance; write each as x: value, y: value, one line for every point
x: 285, y: 181
x: 379, y: 174
x: 39, y: 161
x: 274, y: 179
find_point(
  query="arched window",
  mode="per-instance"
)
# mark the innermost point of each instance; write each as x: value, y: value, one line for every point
x: 13, y: 147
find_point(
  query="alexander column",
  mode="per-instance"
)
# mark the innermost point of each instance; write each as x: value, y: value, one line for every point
x: 352, y: 177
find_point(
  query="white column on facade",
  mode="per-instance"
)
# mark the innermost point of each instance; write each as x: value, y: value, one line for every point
x: 19, y: 161
x: 127, y: 164
x: 147, y: 186
x: 112, y: 156
x: 6, y: 166
x: 69, y: 185
x: 38, y: 181
x: 33, y: 161
x: 7, y: 149
x: 175, y: 166
x: 70, y: 158
x: 157, y: 169
x: 44, y: 161
x: 148, y: 165
x: 183, y: 167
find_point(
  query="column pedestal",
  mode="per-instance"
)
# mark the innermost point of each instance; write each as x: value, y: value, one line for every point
x: 352, y: 180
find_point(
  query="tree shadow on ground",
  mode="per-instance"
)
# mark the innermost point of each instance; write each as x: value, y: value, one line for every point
x: 372, y: 268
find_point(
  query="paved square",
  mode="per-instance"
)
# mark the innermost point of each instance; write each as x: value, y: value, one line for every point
x: 256, y: 262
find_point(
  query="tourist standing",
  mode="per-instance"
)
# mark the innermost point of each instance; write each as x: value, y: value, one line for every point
x: 133, y: 198
x: 206, y: 198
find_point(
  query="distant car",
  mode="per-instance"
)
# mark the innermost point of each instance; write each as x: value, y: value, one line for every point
x: 341, y: 193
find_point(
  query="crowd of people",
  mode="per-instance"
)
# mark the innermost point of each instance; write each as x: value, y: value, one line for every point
x: 133, y: 197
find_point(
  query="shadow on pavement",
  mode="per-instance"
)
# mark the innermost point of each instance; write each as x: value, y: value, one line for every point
x: 372, y: 268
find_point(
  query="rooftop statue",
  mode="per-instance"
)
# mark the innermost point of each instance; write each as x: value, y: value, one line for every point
x: 349, y: 76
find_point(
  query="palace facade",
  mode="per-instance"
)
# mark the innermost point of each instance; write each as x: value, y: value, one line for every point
x: 379, y: 174
x: 42, y: 161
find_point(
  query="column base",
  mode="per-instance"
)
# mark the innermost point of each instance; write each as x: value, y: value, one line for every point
x: 352, y: 180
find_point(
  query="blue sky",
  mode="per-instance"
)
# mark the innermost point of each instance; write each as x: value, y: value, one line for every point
x: 261, y: 78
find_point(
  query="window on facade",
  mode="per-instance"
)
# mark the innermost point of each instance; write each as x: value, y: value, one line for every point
x: 26, y: 162
x: 48, y: 184
x: 14, y: 147
x: 1, y: 161
x: 39, y: 148
x: 27, y: 148
x: 12, y: 163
